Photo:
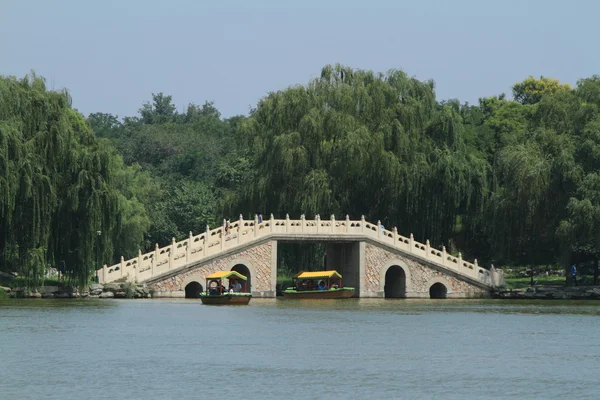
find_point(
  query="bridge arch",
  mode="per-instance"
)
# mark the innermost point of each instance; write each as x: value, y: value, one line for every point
x: 394, y: 279
x: 193, y: 289
x: 438, y: 287
x: 244, y: 267
x: 189, y: 286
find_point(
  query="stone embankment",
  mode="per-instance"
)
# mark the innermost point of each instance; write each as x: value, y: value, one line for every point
x: 551, y: 293
x: 107, y: 291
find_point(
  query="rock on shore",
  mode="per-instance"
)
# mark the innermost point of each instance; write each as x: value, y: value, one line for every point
x: 110, y: 290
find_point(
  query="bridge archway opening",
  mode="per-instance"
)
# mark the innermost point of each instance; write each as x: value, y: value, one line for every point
x: 395, y: 282
x: 192, y: 290
x: 242, y: 269
x: 438, y: 291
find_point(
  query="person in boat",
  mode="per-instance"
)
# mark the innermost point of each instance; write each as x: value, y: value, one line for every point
x: 213, y: 287
x: 334, y: 286
x: 237, y: 286
x: 322, y: 286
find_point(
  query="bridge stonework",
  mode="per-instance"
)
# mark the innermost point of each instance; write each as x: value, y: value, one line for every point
x: 419, y: 277
x: 258, y: 259
x: 361, y: 251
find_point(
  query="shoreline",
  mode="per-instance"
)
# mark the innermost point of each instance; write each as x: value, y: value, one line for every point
x: 549, y: 293
x: 106, y: 291
x: 132, y: 291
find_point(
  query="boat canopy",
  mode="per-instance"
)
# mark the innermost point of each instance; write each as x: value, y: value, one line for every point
x: 319, y: 275
x: 225, y: 275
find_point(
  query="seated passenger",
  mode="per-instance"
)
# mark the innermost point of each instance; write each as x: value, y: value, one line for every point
x: 334, y: 286
x: 237, y: 287
x: 321, y: 286
x: 213, y: 288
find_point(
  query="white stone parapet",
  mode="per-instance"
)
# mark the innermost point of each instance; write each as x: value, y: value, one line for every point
x: 242, y: 233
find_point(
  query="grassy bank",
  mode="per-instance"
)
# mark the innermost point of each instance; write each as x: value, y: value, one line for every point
x: 19, y: 282
x: 519, y: 282
x: 3, y: 294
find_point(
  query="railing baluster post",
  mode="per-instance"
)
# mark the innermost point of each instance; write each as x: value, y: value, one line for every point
x: 223, y: 234
x: 172, y: 254
x: 427, y: 248
x: 302, y: 223
x: 318, y: 221
x: 411, y: 242
x: 444, y: 255
x: 332, y: 223
x: 395, y: 235
x: 155, y: 261
x: 362, y: 223
x: 139, y: 264
x: 379, y: 229
x: 347, y: 223
x: 287, y: 222
x: 255, y: 225
x: 272, y: 222
x: 188, y: 249
x: 206, y: 238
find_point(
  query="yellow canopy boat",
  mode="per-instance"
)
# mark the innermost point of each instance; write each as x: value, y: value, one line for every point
x: 217, y: 294
x: 318, y: 285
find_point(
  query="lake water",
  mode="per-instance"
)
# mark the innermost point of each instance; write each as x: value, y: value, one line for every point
x: 285, y: 349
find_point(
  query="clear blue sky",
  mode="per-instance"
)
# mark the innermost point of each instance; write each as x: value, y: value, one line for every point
x: 112, y: 54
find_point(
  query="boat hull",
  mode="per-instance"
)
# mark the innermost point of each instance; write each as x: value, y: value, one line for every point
x: 225, y: 299
x: 343, y: 293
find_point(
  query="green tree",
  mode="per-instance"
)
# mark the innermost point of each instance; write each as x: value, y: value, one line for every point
x: 531, y: 90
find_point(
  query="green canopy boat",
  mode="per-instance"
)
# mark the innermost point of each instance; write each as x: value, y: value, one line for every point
x: 217, y: 294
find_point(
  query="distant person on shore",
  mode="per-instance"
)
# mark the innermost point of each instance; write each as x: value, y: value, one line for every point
x: 260, y: 218
x: 227, y: 225
x: 574, y: 274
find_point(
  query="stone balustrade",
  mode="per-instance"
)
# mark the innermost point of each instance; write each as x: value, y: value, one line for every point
x: 242, y: 232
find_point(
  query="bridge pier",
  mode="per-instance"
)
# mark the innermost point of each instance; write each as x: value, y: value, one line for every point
x: 348, y: 258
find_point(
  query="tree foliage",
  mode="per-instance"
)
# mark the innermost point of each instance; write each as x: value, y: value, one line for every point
x: 508, y: 181
x: 56, y: 189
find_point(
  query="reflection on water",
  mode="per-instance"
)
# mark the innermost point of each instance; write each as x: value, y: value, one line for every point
x: 281, y: 348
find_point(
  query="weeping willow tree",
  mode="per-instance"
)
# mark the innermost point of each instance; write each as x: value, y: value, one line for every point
x: 55, y: 185
x: 357, y: 142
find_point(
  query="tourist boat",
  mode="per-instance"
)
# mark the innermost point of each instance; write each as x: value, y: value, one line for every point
x: 318, y: 285
x: 217, y: 294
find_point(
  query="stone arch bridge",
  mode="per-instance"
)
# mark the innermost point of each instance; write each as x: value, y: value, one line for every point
x: 376, y: 261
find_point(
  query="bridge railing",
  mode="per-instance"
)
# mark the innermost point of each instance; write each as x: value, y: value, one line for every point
x: 211, y: 242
